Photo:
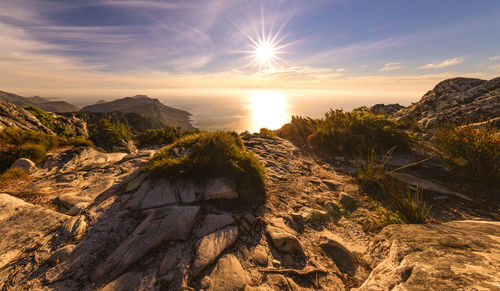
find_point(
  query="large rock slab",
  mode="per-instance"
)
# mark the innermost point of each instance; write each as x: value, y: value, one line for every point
x: 160, y: 225
x: 162, y: 193
x: 448, y: 256
x: 23, y: 225
x: 212, y: 245
x: 213, y: 222
x: 228, y: 274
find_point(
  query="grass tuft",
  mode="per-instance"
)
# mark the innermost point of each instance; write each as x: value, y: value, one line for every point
x: 212, y: 154
x: 162, y: 136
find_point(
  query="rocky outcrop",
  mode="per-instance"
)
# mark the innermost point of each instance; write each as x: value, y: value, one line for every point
x: 386, y: 109
x: 449, y: 256
x: 42, y: 103
x: 458, y: 100
x: 14, y: 116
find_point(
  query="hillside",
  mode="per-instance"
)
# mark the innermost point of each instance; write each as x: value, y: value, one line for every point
x: 147, y: 107
x: 42, y: 103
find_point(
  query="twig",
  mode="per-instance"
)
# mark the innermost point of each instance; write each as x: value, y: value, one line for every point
x: 409, y: 165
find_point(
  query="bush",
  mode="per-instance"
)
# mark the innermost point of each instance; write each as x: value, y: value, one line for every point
x: 409, y: 203
x: 34, y: 152
x: 343, y: 131
x: 211, y: 154
x: 477, y: 150
x: 265, y: 132
x: 79, y: 141
x: 56, y: 124
x: 387, y: 217
x: 17, y: 137
x: 107, y: 135
x: 12, y: 174
x: 161, y: 136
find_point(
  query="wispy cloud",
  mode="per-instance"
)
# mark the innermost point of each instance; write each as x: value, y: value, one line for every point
x: 444, y: 63
x: 391, y: 67
x: 494, y: 58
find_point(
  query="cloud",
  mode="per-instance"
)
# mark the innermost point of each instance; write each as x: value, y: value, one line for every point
x: 496, y: 68
x: 390, y: 67
x: 340, y: 70
x: 494, y: 58
x: 443, y: 64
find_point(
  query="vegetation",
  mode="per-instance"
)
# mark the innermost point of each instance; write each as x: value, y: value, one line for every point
x: 12, y: 174
x: 265, y: 132
x: 387, y: 217
x: 56, y: 124
x: 212, y: 154
x: 107, y: 135
x: 370, y: 170
x: 477, y: 150
x: 162, y: 136
x: 341, y: 131
x: 33, y: 145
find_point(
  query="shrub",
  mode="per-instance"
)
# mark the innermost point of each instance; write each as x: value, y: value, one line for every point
x: 477, y: 150
x: 370, y: 169
x: 387, y: 217
x: 107, y: 135
x: 409, y: 203
x: 265, y: 132
x: 161, y: 136
x: 12, y: 174
x: 17, y: 137
x: 344, y: 131
x: 34, y: 152
x: 212, y: 154
x: 79, y: 141
x: 56, y: 124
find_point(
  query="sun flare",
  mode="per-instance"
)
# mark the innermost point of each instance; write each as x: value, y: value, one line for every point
x: 264, y: 52
x: 269, y: 110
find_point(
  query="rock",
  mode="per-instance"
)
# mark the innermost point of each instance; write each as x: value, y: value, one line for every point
x: 15, y: 116
x: 135, y: 183
x: 212, y: 223
x: 75, y: 227
x: 160, y: 225
x: 78, y: 208
x: 212, y: 245
x: 308, y: 214
x: 24, y: 164
x: 427, y: 185
x: 259, y: 255
x: 447, y: 256
x: 137, y: 198
x: 283, y: 239
x: 315, y: 181
x: 125, y: 282
x: 386, y: 109
x: 343, y: 258
x: 171, y: 259
x: 332, y: 184
x: 456, y: 100
x: 227, y: 275
x: 347, y: 201
x: 219, y: 188
x: 188, y: 191
x: 70, y: 200
x: 61, y: 254
x: 162, y: 193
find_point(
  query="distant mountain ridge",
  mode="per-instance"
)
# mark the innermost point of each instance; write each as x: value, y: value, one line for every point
x: 147, y: 107
x: 42, y: 103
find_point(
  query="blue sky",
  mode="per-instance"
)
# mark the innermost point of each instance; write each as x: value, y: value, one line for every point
x: 110, y: 46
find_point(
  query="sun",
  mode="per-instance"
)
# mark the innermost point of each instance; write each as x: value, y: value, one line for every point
x: 264, y: 52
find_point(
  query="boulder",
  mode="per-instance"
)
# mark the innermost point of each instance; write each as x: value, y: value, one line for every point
x: 228, y: 274
x: 212, y: 245
x: 259, y: 255
x: 213, y: 222
x: 160, y: 225
x: 24, y: 164
x: 347, y: 201
x: 283, y: 238
x: 338, y: 252
x: 448, y: 256
x: 162, y: 193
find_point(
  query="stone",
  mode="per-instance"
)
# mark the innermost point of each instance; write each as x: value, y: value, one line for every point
x: 160, y: 225
x: 137, y: 198
x: 24, y: 164
x: 219, y: 188
x: 447, y: 256
x: 74, y: 227
x: 135, y: 183
x: 347, y: 201
x: 283, y: 239
x: 78, y: 208
x: 125, y: 282
x: 70, y: 200
x: 163, y: 193
x: 171, y: 259
x: 228, y: 274
x: 61, y: 254
x: 188, y: 191
x: 259, y: 255
x: 344, y: 259
x: 212, y: 245
x: 213, y: 222
x: 332, y: 184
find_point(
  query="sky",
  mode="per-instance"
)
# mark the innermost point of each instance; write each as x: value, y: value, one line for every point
x: 181, y: 48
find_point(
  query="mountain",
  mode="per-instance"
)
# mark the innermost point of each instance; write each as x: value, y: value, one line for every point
x: 14, y: 116
x: 42, y: 103
x: 457, y: 100
x: 145, y: 106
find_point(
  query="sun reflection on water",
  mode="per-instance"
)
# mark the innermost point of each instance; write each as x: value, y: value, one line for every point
x: 269, y: 109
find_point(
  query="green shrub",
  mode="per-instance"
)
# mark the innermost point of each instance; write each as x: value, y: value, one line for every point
x: 409, y: 203
x: 56, y: 124
x: 107, y: 135
x: 12, y: 174
x: 212, y: 154
x: 34, y: 152
x: 387, y: 217
x: 341, y: 131
x: 265, y: 132
x: 79, y: 141
x: 161, y: 136
x: 477, y: 150
x: 17, y: 137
